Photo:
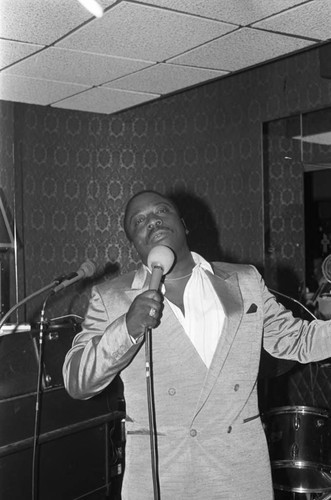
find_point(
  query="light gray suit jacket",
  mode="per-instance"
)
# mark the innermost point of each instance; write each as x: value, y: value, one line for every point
x: 211, y: 442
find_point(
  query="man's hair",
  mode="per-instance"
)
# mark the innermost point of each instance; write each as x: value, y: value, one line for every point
x: 146, y: 191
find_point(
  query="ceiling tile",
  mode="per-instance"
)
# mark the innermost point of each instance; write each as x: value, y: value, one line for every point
x: 164, y: 78
x: 11, y: 52
x: 44, y: 21
x: 77, y: 67
x: 144, y: 32
x: 33, y: 91
x: 231, y: 11
x: 104, y: 100
x: 241, y: 49
x: 311, y: 20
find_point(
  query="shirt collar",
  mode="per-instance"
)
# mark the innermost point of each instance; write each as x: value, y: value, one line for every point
x: 201, y: 262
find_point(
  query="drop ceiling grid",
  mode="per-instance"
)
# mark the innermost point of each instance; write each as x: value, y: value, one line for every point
x: 104, y: 100
x: 312, y: 20
x: 144, y: 32
x: 241, y: 49
x: 42, y: 22
x: 65, y: 65
x: 33, y: 91
x: 164, y: 78
x: 231, y: 11
x: 11, y: 52
x: 143, y: 49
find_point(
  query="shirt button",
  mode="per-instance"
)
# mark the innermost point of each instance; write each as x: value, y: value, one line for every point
x: 171, y: 391
x: 193, y: 433
x: 236, y: 387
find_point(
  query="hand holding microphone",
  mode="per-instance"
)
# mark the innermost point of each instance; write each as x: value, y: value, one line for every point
x: 146, y: 309
x: 144, y: 312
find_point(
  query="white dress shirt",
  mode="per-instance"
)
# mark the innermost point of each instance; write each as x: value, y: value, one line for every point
x: 204, y: 315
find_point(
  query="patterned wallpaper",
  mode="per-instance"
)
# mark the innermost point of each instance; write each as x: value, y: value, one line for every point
x: 74, y: 172
x: 284, y: 216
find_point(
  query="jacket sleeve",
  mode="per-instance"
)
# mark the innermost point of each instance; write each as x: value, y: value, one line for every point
x: 99, y: 352
x: 287, y: 337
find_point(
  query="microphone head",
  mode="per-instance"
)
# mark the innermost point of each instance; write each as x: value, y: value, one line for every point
x: 161, y: 256
x: 326, y: 268
x: 88, y: 268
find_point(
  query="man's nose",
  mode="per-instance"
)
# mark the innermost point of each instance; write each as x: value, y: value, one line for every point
x: 154, y: 221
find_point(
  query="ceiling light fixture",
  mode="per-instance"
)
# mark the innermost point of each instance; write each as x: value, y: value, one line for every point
x: 93, y: 7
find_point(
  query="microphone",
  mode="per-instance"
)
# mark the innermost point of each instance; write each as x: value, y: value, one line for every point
x: 160, y: 260
x: 86, y: 270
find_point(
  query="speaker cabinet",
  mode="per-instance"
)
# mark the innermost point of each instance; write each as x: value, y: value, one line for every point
x: 72, y: 449
x: 325, y: 60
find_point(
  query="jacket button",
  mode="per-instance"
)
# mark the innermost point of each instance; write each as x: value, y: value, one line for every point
x: 193, y: 432
x: 236, y: 387
x: 171, y: 391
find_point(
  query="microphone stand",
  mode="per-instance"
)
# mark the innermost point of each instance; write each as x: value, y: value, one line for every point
x: 151, y: 412
x: 160, y: 260
x: 26, y: 299
x: 35, y: 454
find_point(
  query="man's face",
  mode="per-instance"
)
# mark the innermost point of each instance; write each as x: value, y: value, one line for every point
x: 153, y: 220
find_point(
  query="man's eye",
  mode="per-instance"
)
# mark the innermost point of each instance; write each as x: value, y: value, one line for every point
x: 162, y: 210
x: 138, y: 221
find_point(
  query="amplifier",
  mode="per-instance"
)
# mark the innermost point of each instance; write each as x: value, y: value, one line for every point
x: 80, y: 443
x: 19, y: 356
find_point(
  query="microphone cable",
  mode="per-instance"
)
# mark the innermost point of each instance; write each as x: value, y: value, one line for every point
x: 293, y: 300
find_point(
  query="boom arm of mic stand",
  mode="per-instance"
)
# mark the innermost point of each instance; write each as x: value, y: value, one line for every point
x: 25, y: 300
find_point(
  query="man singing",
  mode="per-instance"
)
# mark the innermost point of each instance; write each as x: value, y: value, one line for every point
x: 209, y: 323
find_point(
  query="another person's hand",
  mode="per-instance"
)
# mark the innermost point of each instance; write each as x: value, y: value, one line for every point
x: 145, y: 312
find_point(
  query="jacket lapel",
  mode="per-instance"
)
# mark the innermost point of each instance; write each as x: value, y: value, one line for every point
x: 139, y: 284
x: 228, y: 291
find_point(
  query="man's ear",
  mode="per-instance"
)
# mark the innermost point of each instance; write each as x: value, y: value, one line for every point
x: 183, y: 222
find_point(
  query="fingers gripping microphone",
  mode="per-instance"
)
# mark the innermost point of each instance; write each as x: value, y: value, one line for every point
x: 86, y: 270
x: 160, y: 260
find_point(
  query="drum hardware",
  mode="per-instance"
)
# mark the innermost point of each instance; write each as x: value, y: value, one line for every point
x: 294, y: 451
x: 298, y: 439
x: 296, y: 423
x: 311, y: 496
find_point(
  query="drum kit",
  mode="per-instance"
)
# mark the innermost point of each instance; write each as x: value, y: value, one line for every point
x: 299, y: 440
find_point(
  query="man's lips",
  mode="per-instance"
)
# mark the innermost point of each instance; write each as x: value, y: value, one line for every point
x: 158, y: 234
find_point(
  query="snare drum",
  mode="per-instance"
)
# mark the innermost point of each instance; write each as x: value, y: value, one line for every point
x: 299, y: 446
